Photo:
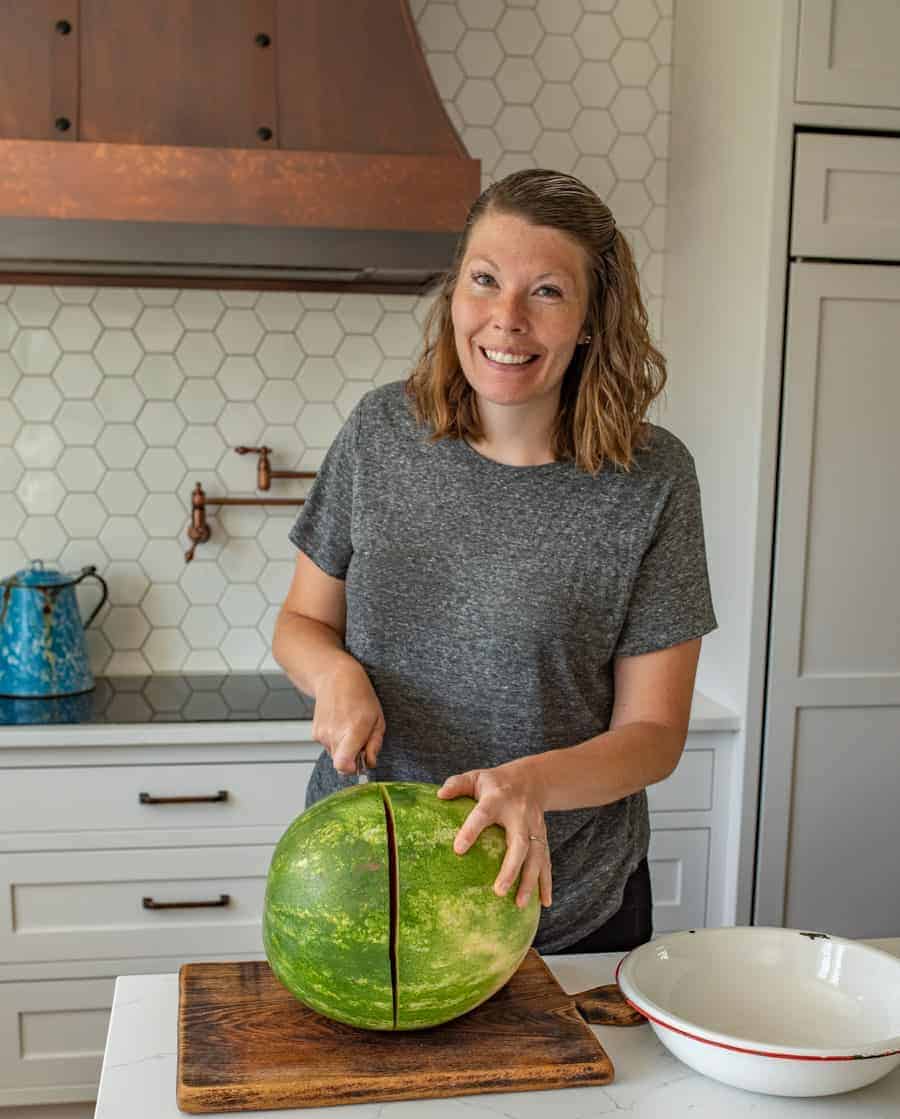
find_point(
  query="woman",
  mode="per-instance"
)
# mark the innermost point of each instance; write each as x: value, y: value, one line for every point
x: 501, y: 583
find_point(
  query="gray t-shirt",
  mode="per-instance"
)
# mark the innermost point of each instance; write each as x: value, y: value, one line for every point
x: 487, y: 602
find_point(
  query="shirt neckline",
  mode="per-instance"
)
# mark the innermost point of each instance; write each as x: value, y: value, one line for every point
x: 491, y: 464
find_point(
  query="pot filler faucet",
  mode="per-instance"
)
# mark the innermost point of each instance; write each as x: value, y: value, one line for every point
x: 199, y: 531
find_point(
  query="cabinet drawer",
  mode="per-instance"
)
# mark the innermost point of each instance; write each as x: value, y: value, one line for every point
x: 689, y: 788
x: 679, y: 870
x: 52, y: 1037
x: 846, y: 197
x: 79, y: 905
x: 90, y: 798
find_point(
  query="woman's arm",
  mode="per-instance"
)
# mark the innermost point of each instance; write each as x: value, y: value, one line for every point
x: 643, y: 745
x: 308, y: 643
x: 645, y: 738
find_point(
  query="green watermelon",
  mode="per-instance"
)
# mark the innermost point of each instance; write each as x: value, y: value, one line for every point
x: 371, y: 918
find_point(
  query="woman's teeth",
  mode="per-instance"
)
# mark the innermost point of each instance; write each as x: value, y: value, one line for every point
x: 505, y: 358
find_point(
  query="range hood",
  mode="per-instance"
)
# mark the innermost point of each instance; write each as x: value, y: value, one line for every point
x: 252, y: 143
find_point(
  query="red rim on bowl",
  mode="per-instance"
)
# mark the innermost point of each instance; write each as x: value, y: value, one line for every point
x: 654, y: 1014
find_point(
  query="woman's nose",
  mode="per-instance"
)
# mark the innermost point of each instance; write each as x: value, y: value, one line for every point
x: 509, y: 313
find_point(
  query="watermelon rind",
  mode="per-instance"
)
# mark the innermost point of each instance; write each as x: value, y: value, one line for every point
x: 457, y: 942
x: 327, y: 911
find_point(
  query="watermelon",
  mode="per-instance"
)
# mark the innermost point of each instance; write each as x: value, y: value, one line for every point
x: 370, y: 917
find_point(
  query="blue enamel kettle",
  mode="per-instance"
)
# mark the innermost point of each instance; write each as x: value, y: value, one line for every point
x: 43, y: 651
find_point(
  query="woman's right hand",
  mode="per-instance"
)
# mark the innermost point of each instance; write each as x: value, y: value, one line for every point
x: 348, y: 719
x: 308, y: 643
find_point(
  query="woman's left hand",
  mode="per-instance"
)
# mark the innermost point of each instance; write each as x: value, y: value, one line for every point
x: 509, y: 796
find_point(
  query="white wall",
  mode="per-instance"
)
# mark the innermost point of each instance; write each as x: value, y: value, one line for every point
x: 725, y: 112
x: 720, y: 176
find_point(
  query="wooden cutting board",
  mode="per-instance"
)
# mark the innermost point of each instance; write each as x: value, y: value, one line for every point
x: 246, y: 1044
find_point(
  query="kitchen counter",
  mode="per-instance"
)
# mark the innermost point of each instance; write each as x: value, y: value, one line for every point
x: 139, y: 1069
x: 706, y: 715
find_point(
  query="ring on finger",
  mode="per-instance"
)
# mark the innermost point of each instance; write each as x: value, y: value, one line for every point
x: 539, y: 839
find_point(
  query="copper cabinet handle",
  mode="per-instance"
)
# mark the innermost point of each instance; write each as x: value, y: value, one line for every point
x: 224, y: 899
x: 216, y: 798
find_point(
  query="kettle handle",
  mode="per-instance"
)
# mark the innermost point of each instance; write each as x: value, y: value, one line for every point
x: 91, y: 573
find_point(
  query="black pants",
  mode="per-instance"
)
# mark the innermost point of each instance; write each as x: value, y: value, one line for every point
x: 630, y: 926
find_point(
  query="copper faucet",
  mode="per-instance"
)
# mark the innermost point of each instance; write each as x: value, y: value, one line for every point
x: 199, y: 531
x: 264, y: 471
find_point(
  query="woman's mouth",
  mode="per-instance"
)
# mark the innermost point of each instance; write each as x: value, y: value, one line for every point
x: 507, y: 358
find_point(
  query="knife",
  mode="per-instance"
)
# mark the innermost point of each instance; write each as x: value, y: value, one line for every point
x: 362, y: 773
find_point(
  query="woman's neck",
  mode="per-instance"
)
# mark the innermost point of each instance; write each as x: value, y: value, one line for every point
x: 516, y: 435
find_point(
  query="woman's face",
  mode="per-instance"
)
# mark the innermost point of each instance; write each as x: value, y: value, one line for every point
x: 518, y: 309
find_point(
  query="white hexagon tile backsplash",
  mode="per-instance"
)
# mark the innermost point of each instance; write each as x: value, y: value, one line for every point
x: 114, y: 402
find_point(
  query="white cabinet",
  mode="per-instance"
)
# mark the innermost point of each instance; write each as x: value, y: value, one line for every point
x: 690, y: 835
x: 829, y: 827
x: 679, y: 871
x: 118, y: 859
x: 163, y: 901
x: 846, y: 202
x: 52, y: 1036
x: 848, y: 53
x: 157, y: 798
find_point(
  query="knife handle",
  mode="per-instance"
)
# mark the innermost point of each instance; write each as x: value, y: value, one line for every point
x: 607, y: 1006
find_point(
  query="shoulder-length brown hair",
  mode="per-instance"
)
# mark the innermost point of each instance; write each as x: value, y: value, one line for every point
x: 611, y: 381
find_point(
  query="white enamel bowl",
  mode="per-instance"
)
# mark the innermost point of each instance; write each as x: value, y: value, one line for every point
x: 780, y: 1011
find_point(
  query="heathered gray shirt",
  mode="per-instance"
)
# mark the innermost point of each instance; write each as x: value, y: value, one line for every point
x: 487, y: 602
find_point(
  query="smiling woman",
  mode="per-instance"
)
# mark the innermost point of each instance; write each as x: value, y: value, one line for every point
x: 541, y: 264
x: 518, y: 312
x: 501, y: 580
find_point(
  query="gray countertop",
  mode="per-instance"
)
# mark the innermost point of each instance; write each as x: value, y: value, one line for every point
x: 706, y: 715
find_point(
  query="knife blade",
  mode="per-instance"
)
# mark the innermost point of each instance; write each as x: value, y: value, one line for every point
x: 362, y: 773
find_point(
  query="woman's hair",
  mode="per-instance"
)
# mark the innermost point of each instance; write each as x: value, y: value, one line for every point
x: 610, y: 382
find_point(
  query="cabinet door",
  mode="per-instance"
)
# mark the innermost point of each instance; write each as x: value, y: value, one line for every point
x: 679, y: 867
x: 848, y: 53
x: 830, y: 829
x: 52, y: 1035
x: 846, y: 200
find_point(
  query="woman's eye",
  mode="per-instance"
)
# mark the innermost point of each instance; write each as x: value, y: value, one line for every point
x: 482, y: 279
x: 548, y: 289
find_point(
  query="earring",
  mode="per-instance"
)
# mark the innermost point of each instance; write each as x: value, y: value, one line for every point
x: 585, y: 339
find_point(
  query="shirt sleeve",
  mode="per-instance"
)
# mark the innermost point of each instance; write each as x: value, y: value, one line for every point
x: 323, y: 528
x: 670, y: 601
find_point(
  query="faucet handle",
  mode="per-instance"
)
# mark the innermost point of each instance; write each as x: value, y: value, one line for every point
x: 263, y: 469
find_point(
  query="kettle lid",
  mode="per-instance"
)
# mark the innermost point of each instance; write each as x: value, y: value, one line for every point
x: 38, y: 575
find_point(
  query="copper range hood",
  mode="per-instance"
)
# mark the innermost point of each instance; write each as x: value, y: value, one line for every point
x: 252, y: 143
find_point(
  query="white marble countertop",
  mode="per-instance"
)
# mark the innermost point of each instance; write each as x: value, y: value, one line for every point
x: 139, y: 1069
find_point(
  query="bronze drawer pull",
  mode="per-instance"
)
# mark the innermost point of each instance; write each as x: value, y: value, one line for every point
x: 216, y: 798
x: 224, y: 899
